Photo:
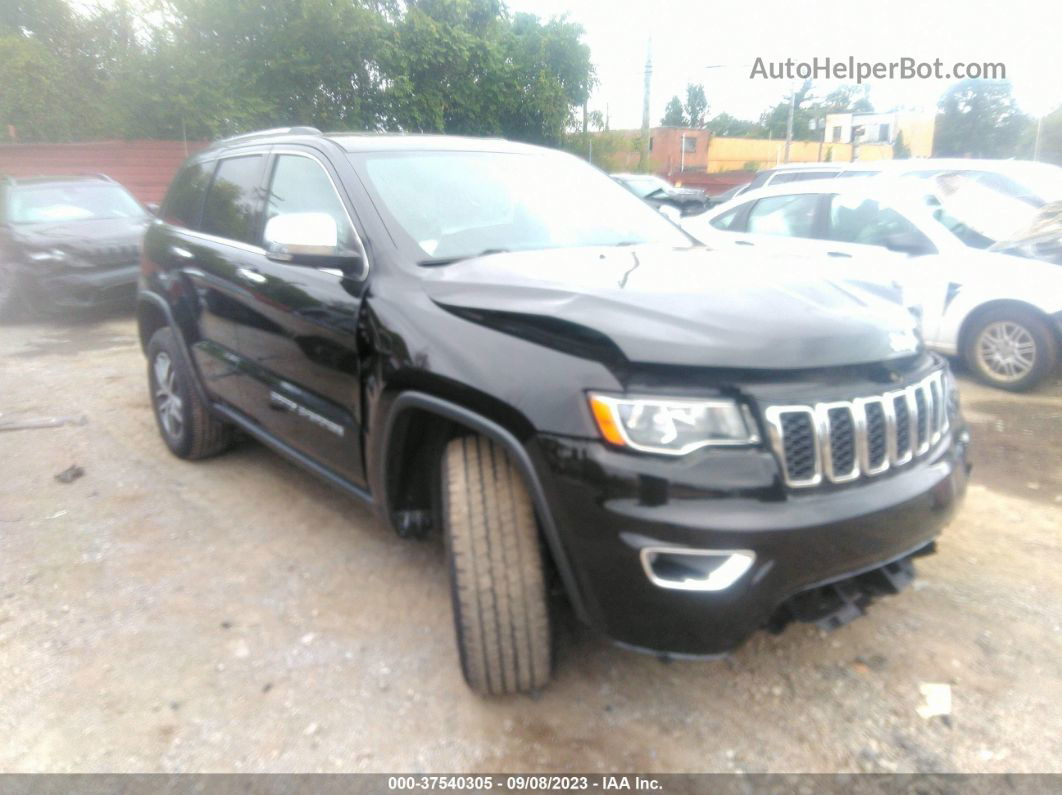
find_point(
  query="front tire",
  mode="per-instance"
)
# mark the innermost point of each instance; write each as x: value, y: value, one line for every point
x: 1011, y: 349
x: 497, y: 579
x: 185, y: 421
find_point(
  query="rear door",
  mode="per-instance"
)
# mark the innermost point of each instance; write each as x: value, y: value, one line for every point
x: 213, y: 257
x: 300, y: 336
x: 208, y: 212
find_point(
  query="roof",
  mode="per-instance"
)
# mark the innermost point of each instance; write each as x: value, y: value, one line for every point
x: 877, y: 188
x: 380, y: 142
x: 44, y: 179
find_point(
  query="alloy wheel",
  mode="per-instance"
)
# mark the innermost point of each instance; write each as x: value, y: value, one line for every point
x: 168, y: 403
x: 1006, y: 350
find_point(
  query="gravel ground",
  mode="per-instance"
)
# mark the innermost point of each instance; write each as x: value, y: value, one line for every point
x: 239, y: 615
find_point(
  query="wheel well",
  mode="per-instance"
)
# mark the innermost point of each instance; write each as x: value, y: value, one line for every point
x: 149, y: 319
x: 414, y: 451
x: 971, y: 321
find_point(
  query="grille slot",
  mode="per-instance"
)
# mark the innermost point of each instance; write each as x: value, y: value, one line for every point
x: 843, y: 440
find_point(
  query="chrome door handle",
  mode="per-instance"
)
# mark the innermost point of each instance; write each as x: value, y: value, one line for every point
x: 183, y: 253
x: 838, y: 254
x: 251, y: 275
x: 743, y: 243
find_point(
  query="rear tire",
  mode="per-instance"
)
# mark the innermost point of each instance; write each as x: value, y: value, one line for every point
x: 497, y: 580
x: 185, y: 421
x: 12, y: 293
x: 1011, y: 349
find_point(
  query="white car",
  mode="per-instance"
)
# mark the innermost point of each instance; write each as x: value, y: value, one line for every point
x: 1033, y: 182
x: 1001, y: 312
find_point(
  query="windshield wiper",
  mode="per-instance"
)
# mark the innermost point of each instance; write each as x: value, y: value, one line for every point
x: 428, y: 263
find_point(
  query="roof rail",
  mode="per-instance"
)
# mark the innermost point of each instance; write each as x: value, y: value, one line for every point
x: 267, y: 133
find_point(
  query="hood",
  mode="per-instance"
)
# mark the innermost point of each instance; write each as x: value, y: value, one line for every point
x: 1042, y: 239
x: 109, y: 241
x: 689, y: 307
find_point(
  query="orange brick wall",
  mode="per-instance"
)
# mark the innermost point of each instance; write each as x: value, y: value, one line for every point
x: 144, y: 167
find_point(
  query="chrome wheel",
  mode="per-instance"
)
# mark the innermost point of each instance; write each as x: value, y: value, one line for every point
x: 1006, y: 350
x: 168, y: 403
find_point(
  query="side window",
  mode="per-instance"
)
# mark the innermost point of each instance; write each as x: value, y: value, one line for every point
x: 790, y: 216
x: 301, y: 185
x: 726, y: 220
x: 184, y: 199
x: 231, y: 202
x: 867, y: 222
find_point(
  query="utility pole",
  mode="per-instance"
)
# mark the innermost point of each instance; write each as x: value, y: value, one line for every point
x: 645, y: 106
x: 1036, y: 146
x: 789, y: 126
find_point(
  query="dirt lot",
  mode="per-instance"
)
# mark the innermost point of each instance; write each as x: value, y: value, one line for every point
x: 239, y: 615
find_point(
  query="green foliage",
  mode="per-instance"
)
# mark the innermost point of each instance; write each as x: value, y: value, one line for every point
x: 674, y: 116
x: 215, y: 67
x: 751, y: 165
x: 694, y: 113
x: 979, y: 118
x: 696, y: 106
x: 900, y: 149
x: 729, y: 126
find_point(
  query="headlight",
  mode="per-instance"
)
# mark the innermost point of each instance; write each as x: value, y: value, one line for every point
x: 53, y: 255
x: 672, y: 427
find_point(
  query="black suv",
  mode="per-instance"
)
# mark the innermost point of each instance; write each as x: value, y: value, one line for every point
x: 497, y: 342
x: 68, y: 242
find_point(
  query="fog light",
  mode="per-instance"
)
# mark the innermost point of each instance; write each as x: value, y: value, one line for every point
x: 682, y: 569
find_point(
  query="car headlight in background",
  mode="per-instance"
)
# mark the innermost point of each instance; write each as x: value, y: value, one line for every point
x: 672, y: 426
x: 51, y: 255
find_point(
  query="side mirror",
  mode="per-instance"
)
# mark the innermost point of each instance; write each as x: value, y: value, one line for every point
x: 309, y: 239
x: 911, y: 243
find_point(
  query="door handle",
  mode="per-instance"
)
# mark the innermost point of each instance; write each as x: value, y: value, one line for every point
x: 182, y: 253
x: 251, y: 275
x: 743, y: 243
x: 838, y: 254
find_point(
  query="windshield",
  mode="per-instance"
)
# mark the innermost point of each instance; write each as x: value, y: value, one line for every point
x: 58, y: 203
x: 462, y: 204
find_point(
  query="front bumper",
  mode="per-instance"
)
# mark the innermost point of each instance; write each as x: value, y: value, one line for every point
x: 72, y: 288
x: 610, y: 506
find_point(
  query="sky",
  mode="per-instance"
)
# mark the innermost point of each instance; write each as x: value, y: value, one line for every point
x: 688, y: 35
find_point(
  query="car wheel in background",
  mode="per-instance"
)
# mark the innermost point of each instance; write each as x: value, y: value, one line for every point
x: 185, y: 421
x: 11, y: 297
x: 1011, y: 349
x: 497, y: 579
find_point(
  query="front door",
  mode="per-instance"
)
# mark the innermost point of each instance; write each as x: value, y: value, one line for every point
x: 301, y: 343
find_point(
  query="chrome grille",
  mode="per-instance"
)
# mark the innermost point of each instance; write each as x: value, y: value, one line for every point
x: 844, y: 440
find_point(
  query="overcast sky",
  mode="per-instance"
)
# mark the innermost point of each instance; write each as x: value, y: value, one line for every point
x: 1025, y: 35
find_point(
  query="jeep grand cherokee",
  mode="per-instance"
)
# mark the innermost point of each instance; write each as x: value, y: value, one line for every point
x: 497, y: 342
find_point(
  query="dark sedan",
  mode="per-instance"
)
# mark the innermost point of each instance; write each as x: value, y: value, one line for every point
x: 658, y: 193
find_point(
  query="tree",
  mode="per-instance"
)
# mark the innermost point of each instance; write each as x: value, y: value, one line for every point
x: 978, y: 118
x: 775, y: 120
x: 674, y: 116
x: 211, y: 67
x: 696, y: 108
x: 726, y: 125
x: 900, y: 150
x: 1051, y: 137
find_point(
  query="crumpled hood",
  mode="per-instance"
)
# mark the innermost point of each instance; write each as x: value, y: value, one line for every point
x: 691, y: 307
x: 101, y: 242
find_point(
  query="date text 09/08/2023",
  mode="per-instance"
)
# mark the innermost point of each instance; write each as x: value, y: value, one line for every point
x: 516, y: 783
